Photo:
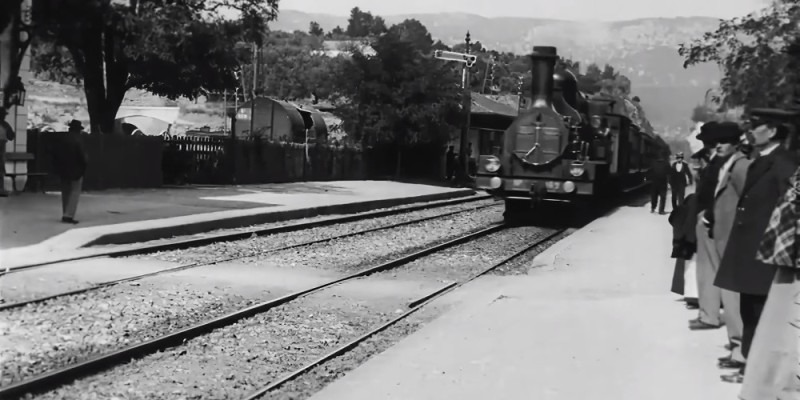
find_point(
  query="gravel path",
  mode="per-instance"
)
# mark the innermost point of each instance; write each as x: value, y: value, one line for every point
x: 372, y: 222
x: 53, y: 334
x: 234, y: 361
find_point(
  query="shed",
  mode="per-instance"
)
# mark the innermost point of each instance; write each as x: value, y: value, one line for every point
x: 275, y: 119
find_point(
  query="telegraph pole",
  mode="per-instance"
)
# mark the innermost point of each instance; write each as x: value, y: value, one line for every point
x: 467, y: 106
x: 468, y: 61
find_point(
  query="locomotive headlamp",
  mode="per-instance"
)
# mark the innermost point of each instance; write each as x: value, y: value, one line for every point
x: 568, y: 186
x: 576, y: 170
x: 495, y: 182
x: 492, y: 164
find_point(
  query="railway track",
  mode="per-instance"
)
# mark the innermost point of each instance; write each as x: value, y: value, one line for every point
x: 101, y: 285
x: 232, y: 235
x: 413, y: 307
x: 53, y: 379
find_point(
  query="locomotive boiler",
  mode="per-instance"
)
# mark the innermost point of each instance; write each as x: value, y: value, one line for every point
x: 567, y: 146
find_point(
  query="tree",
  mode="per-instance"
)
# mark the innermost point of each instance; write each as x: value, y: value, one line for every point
x: 314, y: 29
x: 758, y: 54
x: 363, y: 24
x: 413, y: 32
x: 169, y: 48
x: 399, y: 96
x: 290, y: 69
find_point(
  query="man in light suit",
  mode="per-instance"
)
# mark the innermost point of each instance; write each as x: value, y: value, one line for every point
x: 721, y: 217
x: 679, y: 177
x: 708, y: 295
x: 768, y: 179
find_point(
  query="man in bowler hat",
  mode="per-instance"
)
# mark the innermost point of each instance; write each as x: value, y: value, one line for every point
x: 707, y: 294
x: 70, y: 161
x: 720, y: 217
x: 768, y: 178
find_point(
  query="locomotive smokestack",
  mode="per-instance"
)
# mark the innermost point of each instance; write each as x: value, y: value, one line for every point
x: 543, y: 62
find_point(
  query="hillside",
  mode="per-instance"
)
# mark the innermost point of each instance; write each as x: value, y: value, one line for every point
x: 645, y: 50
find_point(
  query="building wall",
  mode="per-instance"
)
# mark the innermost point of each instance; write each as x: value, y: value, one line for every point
x: 17, y: 116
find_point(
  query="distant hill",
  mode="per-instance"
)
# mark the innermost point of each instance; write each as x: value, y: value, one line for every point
x: 645, y: 50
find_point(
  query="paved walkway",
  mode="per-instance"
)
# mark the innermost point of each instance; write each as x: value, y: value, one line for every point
x: 595, y: 320
x: 30, y: 223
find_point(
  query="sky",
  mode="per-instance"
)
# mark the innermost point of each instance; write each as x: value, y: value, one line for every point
x: 575, y: 10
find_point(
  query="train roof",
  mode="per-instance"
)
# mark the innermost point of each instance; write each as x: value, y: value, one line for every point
x: 495, y: 105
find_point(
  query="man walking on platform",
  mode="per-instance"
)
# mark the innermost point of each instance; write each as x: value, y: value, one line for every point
x: 658, y: 176
x: 707, y: 294
x: 679, y: 177
x: 721, y: 217
x: 767, y: 180
x: 70, y: 162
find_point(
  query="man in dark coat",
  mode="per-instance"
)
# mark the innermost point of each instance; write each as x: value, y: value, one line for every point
x: 6, y: 135
x: 70, y: 162
x: 658, y: 176
x: 450, y: 163
x: 679, y: 177
x: 767, y: 180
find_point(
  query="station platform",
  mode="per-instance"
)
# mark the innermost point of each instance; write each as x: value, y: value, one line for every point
x: 31, y: 229
x: 593, y: 319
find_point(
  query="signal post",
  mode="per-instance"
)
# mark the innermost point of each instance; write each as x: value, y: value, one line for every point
x: 467, y: 60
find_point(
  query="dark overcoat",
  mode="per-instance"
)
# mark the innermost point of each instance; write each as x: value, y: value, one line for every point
x: 70, y: 159
x: 680, y: 178
x: 767, y: 180
x: 684, y: 240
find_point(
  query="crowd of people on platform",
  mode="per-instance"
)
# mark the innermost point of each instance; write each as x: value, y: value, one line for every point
x: 734, y: 241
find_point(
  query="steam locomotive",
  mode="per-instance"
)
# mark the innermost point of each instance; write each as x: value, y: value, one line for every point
x: 568, y: 146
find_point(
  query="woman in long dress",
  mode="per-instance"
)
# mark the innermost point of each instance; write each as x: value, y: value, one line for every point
x: 773, y: 364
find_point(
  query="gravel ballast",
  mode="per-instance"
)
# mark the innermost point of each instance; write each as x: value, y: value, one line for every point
x: 345, y: 254
x: 464, y: 261
x: 70, y: 329
x: 234, y: 361
x: 40, y: 338
x: 351, y: 226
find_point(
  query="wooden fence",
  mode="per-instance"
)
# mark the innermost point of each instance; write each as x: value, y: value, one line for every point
x: 146, y: 162
x: 114, y: 161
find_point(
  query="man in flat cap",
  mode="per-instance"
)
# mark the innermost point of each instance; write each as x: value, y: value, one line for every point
x: 720, y: 219
x: 70, y: 161
x: 707, y: 294
x: 679, y: 177
x: 768, y: 178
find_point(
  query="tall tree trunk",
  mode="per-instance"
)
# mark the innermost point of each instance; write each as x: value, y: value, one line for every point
x: 105, y: 77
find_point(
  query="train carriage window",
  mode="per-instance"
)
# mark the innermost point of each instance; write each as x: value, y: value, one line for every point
x: 490, y: 142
